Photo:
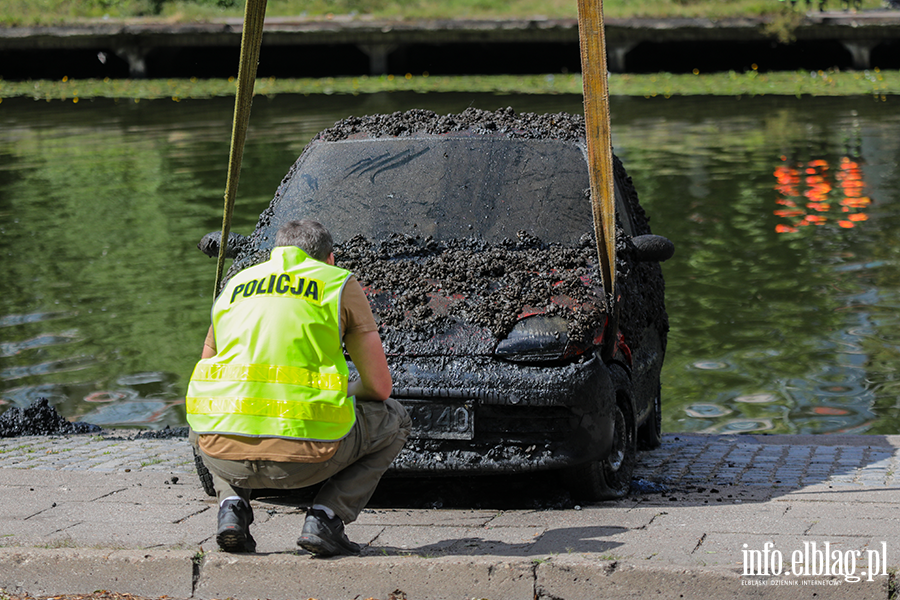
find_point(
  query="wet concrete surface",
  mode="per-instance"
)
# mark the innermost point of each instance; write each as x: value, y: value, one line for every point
x: 126, y: 513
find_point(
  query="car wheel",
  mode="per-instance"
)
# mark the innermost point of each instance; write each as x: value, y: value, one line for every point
x: 650, y: 433
x: 203, y: 473
x: 609, y: 478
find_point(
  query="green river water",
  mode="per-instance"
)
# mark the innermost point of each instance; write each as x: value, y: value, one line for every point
x: 783, y: 293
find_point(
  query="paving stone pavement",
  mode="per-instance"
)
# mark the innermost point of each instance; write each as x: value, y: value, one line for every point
x: 771, y: 461
x: 81, y: 513
x: 748, y: 460
x: 100, y: 453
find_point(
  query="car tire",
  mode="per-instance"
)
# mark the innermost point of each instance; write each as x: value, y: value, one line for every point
x: 609, y: 478
x: 650, y: 433
x: 203, y: 473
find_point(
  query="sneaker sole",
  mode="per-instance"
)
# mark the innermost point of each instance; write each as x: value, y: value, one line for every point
x: 320, y: 547
x: 234, y: 541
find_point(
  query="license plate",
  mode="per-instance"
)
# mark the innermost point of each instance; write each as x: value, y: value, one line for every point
x: 441, y: 420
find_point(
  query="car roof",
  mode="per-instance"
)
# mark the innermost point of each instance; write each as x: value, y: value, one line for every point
x: 447, y: 186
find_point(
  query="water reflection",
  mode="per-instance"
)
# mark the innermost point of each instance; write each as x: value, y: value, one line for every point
x: 741, y: 426
x: 813, y: 181
x: 125, y: 413
x: 782, y: 294
x: 706, y: 411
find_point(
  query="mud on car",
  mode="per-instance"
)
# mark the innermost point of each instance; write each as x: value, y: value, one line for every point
x: 472, y: 235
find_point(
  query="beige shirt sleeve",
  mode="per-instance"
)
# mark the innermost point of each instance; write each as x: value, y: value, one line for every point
x: 356, y: 314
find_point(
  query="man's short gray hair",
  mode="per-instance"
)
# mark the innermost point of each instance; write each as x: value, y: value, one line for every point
x: 308, y: 235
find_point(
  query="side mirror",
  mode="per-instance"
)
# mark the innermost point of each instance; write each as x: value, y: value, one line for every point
x: 652, y: 248
x: 209, y: 244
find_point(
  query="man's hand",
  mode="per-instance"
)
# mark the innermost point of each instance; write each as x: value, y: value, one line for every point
x: 367, y: 354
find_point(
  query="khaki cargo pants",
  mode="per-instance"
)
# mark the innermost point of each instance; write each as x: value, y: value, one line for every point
x: 350, y: 476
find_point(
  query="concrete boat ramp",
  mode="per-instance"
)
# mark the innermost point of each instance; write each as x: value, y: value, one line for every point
x: 749, y: 516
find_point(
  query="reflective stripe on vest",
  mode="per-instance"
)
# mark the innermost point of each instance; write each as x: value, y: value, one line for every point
x: 279, y: 370
x: 271, y: 373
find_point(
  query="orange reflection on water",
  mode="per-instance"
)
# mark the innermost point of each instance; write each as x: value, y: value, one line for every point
x: 814, y: 194
x: 830, y: 410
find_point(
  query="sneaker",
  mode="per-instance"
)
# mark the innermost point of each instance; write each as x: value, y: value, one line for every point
x: 325, y: 537
x: 233, y: 534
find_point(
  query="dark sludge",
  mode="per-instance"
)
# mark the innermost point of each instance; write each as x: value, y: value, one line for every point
x: 494, y: 281
x: 39, y: 419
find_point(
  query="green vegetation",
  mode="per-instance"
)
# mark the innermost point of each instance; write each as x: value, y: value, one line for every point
x: 27, y: 12
x: 65, y: 542
x: 610, y: 556
x: 23, y: 448
x: 876, y: 83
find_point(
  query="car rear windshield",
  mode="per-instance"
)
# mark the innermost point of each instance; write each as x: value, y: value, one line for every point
x: 468, y: 186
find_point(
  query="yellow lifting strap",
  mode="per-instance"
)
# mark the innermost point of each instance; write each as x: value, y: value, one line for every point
x: 251, y: 39
x: 599, y: 140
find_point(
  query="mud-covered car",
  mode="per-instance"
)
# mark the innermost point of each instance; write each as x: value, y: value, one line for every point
x: 472, y: 236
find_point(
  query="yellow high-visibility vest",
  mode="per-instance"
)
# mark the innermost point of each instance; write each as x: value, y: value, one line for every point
x: 279, y: 368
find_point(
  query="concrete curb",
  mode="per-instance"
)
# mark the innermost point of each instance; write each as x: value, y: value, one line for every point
x: 185, y: 574
x: 52, y: 571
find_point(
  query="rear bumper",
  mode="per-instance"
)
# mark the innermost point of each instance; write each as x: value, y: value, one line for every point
x: 525, y: 418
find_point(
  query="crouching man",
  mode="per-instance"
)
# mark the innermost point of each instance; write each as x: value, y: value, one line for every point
x: 270, y: 403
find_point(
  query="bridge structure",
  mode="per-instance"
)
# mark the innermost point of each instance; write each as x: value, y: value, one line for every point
x: 382, y: 41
